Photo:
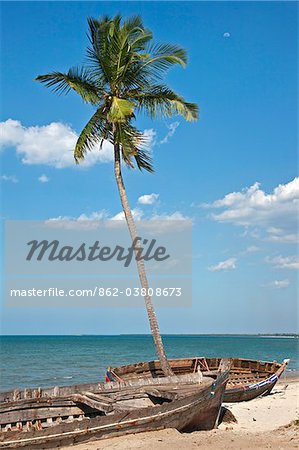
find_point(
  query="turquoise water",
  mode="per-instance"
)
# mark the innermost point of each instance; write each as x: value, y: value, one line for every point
x: 31, y: 361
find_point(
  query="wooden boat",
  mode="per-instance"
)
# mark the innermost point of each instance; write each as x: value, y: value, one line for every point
x: 52, y: 417
x: 248, y: 378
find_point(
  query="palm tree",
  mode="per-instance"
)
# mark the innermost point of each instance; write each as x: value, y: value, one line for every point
x: 122, y: 76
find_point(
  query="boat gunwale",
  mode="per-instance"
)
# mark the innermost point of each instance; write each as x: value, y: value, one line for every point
x: 242, y: 389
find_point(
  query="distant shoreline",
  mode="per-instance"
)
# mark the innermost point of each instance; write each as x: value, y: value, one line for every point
x: 270, y: 335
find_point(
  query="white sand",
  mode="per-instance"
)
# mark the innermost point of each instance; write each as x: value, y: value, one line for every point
x: 267, y: 413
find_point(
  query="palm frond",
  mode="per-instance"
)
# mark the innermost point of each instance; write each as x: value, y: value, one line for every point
x: 152, y: 63
x: 161, y: 58
x: 167, y: 53
x: 138, y: 36
x: 77, y: 79
x: 134, y: 145
x: 93, y: 133
x: 133, y: 24
x: 162, y: 101
x: 144, y: 161
x: 140, y: 41
x: 100, y: 54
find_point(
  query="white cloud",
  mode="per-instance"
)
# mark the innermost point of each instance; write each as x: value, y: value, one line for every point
x: 53, y: 144
x: 137, y: 215
x: 172, y: 129
x: 157, y: 224
x: 253, y: 232
x: 249, y: 250
x: 82, y: 222
x: 228, y: 264
x: 136, y: 212
x: 163, y: 223
x: 91, y: 221
x: 96, y: 215
x: 43, y: 179
x: 284, y: 262
x: 279, y: 284
x: 11, y: 178
x: 226, y: 35
x: 252, y: 249
x: 280, y: 235
x: 150, y: 138
x: 174, y: 216
x: 148, y: 199
x: 275, y: 213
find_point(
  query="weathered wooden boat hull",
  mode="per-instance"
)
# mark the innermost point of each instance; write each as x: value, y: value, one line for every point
x: 248, y: 378
x: 195, y: 406
x: 249, y: 392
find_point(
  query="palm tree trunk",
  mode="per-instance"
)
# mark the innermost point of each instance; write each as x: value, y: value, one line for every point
x: 140, y: 264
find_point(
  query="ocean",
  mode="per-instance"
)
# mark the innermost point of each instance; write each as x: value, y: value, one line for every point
x: 32, y: 361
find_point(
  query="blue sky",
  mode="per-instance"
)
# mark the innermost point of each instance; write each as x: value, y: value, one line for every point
x: 242, y: 73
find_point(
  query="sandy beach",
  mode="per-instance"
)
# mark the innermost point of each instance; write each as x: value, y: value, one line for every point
x: 267, y: 422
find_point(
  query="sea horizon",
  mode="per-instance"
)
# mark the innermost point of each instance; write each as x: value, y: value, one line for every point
x: 45, y: 360
x: 162, y: 334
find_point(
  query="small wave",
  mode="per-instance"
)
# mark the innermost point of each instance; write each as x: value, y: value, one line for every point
x: 67, y: 378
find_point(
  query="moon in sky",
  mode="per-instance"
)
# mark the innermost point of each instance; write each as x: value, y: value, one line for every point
x: 226, y: 35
